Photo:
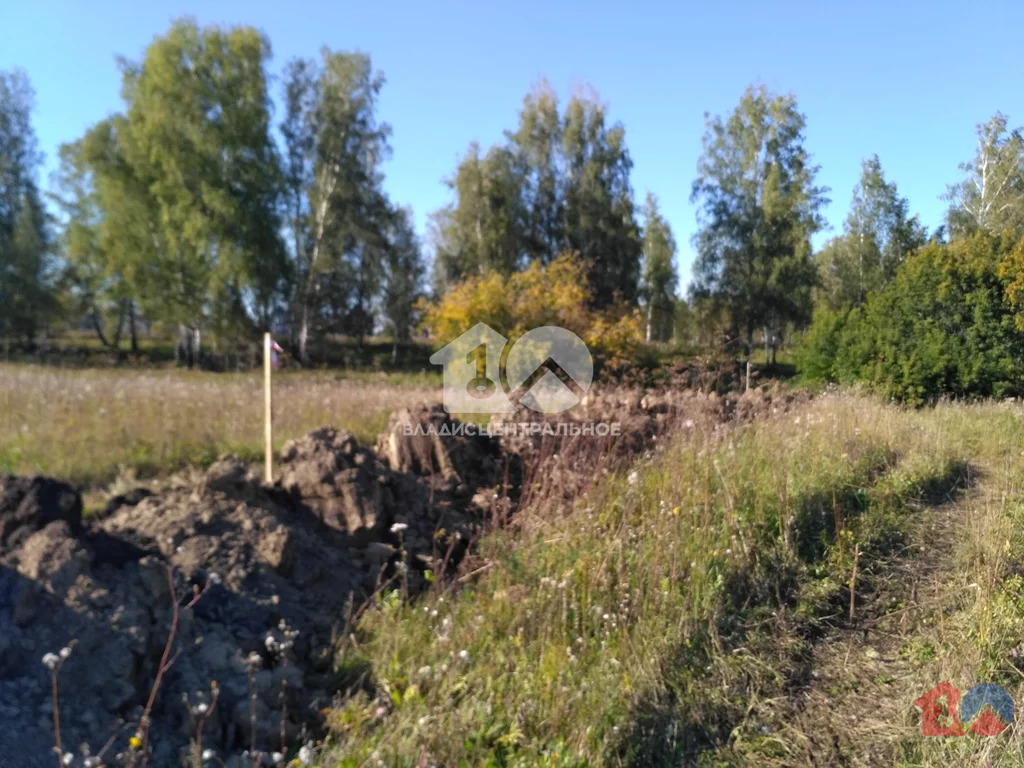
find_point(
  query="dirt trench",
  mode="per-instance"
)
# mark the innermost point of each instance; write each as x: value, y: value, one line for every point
x: 280, y: 572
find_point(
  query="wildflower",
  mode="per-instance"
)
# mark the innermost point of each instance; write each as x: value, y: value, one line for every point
x: 305, y: 754
x: 214, y: 578
x: 464, y: 654
x: 254, y: 660
x: 208, y: 755
x: 51, y: 660
x: 633, y: 478
x: 398, y: 528
x: 65, y: 652
x: 68, y: 758
x: 202, y: 708
x: 276, y: 757
x: 135, y: 742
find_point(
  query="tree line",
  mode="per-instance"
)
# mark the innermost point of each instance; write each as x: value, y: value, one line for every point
x: 196, y: 209
x: 191, y: 209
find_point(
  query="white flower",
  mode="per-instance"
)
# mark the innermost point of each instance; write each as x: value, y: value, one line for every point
x: 68, y: 758
x: 208, y: 754
x: 51, y: 660
x: 464, y: 654
x: 306, y: 754
x: 214, y: 578
x: 276, y: 757
x: 65, y: 652
x: 633, y: 478
x: 398, y: 528
x: 202, y: 708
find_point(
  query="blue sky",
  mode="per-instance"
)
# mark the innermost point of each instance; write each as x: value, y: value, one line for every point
x: 907, y: 80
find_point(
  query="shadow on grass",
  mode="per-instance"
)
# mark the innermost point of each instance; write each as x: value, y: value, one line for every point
x: 691, y: 713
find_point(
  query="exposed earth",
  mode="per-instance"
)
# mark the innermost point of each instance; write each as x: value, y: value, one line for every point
x: 281, y: 571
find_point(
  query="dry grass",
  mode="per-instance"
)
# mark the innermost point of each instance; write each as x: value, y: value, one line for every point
x: 670, y: 620
x: 87, y: 426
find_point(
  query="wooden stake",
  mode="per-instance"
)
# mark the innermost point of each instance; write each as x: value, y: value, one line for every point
x: 853, y: 579
x: 748, y: 377
x: 268, y: 411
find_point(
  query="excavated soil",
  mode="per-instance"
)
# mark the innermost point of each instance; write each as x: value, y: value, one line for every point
x: 284, y: 568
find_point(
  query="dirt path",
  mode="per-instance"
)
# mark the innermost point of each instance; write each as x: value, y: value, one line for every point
x: 857, y: 706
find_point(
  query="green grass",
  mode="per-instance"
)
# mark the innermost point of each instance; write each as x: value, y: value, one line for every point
x: 89, y: 425
x: 84, y: 349
x: 645, y: 625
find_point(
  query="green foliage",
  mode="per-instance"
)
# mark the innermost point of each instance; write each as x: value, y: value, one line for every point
x: 658, y: 287
x: 196, y: 141
x: 877, y: 236
x: 340, y: 217
x: 640, y: 626
x: 943, y: 326
x: 758, y: 207
x: 819, y: 346
x: 990, y: 197
x: 559, y: 183
x: 403, y: 276
x: 26, y: 277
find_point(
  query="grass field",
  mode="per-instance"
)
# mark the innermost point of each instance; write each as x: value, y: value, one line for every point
x: 87, y: 426
x: 701, y: 613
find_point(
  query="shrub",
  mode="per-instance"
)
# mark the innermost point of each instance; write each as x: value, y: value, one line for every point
x: 945, y: 325
x: 817, y: 351
x: 552, y: 294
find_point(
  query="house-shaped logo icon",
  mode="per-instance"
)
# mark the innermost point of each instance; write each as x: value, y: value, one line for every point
x: 939, y: 708
x: 547, y: 369
x: 472, y: 377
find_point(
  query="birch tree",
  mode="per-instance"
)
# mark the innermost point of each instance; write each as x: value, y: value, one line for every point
x: 991, y: 196
x: 338, y: 213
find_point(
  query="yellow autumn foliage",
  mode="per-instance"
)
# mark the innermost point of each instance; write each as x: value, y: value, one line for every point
x: 555, y: 294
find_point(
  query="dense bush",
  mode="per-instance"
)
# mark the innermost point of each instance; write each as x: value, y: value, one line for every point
x: 552, y: 294
x: 947, y: 324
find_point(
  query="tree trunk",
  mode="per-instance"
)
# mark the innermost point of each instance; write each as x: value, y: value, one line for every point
x: 187, y: 350
x: 120, y: 324
x: 304, y: 335
x: 98, y: 327
x: 131, y: 327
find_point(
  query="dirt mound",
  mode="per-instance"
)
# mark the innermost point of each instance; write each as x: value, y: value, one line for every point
x: 563, y: 454
x: 452, y: 457
x: 342, y: 483
x: 283, y: 566
x: 30, y: 503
